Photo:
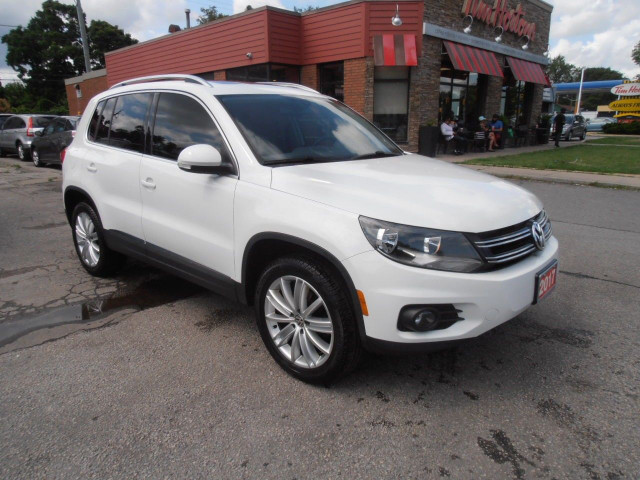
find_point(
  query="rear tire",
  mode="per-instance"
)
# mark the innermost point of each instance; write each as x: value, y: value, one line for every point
x: 91, y: 248
x: 584, y: 135
x: 23, y: 154
x: 319, y: 346
x: 35, y: 156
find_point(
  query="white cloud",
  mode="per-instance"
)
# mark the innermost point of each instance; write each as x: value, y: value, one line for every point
x: 597, y: 33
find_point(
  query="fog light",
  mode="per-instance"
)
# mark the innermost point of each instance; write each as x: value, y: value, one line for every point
x: 426, y: 318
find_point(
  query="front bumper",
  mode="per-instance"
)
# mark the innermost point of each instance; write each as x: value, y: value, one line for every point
x: 485, y: 299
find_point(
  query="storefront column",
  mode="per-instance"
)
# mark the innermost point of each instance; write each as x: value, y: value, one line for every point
x: 309, y: 76
x: 536, y: 105
x: 425, y: 81
x: 491, y: 102
x: 358, y: 85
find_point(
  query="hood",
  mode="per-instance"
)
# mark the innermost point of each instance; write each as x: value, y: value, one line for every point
x: 412, y: 190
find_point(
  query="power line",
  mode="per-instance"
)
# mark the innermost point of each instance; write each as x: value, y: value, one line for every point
x: 10, y: 26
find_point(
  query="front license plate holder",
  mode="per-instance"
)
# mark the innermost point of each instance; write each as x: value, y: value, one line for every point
x: 545, y: 281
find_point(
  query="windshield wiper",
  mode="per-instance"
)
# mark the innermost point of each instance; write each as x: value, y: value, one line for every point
x: 376, y: 154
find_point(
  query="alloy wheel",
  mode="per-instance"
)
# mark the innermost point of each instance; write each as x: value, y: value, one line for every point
x: 20, y: 151
x: 298, y: 322
x: 35, y: 156
x: 87, y: 240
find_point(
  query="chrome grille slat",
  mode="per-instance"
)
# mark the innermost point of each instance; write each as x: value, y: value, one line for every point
x: 510, y: 246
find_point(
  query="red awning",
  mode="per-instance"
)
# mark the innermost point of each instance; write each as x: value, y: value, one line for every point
x: 472, y: 59
x: 395, y: 50
x: 528, y: 71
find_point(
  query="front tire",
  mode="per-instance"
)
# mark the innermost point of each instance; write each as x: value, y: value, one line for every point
x: 88, y: 238
x: 22, y: 152
x: 306, y: 321
x: 35, y: 156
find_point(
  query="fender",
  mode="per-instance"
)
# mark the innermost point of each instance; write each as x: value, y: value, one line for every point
x: 319, y: 251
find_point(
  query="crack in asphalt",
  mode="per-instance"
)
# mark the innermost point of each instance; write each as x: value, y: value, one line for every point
x: 590, y: 277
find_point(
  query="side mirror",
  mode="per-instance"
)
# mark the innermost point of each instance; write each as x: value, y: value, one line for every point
x: 202, y: 158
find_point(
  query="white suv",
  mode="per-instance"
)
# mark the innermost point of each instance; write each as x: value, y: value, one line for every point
x: 282, y: 198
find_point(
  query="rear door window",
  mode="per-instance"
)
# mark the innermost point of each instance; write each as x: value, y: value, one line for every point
x: 40, y: 122
x: 104, y: 121
x: 127, y: 124
x: 93, y: 123
x: 180, y: 122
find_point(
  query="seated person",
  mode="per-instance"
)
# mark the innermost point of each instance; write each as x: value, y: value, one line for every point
x: 481, y: 133
x: 448, y: 133
x: 496, y: 133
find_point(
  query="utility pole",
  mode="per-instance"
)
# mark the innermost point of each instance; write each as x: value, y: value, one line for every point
x: 83, y: 36
x: 579, y: 93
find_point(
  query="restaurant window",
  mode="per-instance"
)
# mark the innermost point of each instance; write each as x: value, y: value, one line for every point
x: 512, y: 103
x: 332, y: 80
x: 461, y: 93
x: 264, y: 72
x: 391, y: 101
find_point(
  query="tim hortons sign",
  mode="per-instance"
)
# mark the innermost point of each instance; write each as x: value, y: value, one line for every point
x: 626, y: 89
x: 499, y: 15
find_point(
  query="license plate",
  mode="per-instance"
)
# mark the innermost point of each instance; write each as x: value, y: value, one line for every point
x: 545, y: 281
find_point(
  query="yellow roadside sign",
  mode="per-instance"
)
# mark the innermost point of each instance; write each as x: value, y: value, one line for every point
x: 630, y: 105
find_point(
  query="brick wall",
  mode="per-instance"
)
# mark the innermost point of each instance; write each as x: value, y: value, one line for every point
x: 358, y: 85
x: 309, y: 76
x: 89, y: 89
x: 220, y: 75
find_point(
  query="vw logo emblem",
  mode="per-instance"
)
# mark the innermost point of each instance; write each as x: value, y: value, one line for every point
x: 538, y: 236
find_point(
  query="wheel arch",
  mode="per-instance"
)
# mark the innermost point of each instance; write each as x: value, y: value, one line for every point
x: 263, y: 248
x: 73, y: 196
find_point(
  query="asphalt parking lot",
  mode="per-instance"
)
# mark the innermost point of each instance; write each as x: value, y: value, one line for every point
x: 147, y: 376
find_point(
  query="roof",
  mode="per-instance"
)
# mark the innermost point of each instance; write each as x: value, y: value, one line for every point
x: 86, y: 76
x: 599, y: 86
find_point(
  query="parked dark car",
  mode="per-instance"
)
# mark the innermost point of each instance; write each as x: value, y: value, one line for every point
x: 575, y: 126
x: 18, y: 131
x: 57, y: 136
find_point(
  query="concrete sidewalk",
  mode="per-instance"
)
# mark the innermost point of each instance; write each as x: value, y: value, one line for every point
x: 559, y: 176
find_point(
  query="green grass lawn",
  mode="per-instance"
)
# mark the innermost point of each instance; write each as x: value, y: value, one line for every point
x: 615, y: 141
x: 581, y: 158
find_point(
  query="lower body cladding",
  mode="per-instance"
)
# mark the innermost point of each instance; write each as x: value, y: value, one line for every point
x: 482, y: 301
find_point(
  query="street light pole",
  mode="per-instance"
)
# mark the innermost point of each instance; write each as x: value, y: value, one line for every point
x: 579, y: 93
x: 83, y: 36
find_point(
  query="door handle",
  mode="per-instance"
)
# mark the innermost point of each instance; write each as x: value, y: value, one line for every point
x: 148, y: 183
x: 92, y: 167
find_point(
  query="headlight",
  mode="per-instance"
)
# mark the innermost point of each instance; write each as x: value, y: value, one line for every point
x: 422, y: 247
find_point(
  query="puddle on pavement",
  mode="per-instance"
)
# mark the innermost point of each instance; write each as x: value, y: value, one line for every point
x: 58, y: 322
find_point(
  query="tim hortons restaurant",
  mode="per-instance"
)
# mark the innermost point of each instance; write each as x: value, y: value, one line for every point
x: 402, y: 64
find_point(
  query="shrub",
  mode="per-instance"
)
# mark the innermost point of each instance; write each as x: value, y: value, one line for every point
x: 632, y: 128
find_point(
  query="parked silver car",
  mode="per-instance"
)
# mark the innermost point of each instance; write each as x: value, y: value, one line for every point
x: 18, y: 132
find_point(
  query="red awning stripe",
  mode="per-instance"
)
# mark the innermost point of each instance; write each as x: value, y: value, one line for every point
x: 395, y: 50
x: 472, y: 59
x: 528, y: 71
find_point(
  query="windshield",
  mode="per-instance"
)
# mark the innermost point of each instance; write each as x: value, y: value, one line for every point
x: 286, y: 129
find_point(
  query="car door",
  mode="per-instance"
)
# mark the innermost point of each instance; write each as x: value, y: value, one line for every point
x: 44, y: 142
x: 12, y: 129
x: 187, y: 217
x: 113, y: 164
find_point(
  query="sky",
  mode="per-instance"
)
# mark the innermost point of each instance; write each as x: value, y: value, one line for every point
x: 590, y: 33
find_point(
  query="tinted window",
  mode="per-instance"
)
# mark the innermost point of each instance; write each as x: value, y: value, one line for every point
x: 49, y: 129
x: 294, y: 129
x: 181, y: 122
x: 69, y: 124
x: 102, y: 132
x: 40, y: 122
x: 3, y: 120
x: 15, y: 122
x: 127, y: 124
x: 93, y: 123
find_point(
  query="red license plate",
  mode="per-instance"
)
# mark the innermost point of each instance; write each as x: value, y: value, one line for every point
x: 546, y: 281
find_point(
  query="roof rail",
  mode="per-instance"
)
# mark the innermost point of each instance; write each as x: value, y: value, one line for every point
x: 158, y: 78
x: 289, y: 84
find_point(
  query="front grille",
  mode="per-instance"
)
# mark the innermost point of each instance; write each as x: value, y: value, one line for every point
x: 505, y: 246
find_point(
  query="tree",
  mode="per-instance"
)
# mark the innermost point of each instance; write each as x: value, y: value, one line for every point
x: 308, y: 8
x: 591, y: 101
x: 104, y: 37
x: 209, y: 14
x: 49, y: 49
x: 560, y: 71
x: 635, y: 54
